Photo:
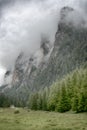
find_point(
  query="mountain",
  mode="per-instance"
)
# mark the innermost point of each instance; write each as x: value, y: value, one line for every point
x: 50, y: 63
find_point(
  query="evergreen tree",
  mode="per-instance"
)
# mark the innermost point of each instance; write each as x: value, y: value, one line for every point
x: 33, y: 101
x: 4, y: 101
x: 63, y: 104
x: 81, y: 103
x: 44, y: 99
x: 75, y: 102
x: 39, y: 102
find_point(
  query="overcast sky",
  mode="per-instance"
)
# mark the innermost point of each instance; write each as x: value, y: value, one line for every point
x: 22, y: 22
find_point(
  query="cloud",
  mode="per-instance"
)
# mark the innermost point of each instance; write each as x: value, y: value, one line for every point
x: 2, y: 71
x: 23, y: 21
x: 21, y: 27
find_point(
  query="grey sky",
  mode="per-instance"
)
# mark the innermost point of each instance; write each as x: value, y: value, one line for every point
x: 23, y: 21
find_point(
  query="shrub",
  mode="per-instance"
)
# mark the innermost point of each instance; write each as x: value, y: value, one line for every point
x: 16, y: 112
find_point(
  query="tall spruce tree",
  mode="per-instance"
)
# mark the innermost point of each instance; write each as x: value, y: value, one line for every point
x: 64, y: 104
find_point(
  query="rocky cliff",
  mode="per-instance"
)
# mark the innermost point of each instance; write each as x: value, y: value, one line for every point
x: 51, y: 63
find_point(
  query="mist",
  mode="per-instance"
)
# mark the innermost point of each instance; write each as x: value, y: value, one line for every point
x: 22, y: 22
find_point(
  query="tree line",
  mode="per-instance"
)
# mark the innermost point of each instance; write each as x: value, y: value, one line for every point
x: 70, y: 93
x: 4, y: 101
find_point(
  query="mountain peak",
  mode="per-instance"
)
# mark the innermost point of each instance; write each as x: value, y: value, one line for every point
x: 65, y: 11
x: 72, y: 18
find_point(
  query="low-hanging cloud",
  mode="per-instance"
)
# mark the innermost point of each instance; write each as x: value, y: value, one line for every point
x: 23, y: 21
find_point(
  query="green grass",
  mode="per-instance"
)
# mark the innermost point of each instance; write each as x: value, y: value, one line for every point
x: 37, y: 120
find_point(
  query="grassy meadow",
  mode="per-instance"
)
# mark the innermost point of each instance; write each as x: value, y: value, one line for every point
x: 39, y: 120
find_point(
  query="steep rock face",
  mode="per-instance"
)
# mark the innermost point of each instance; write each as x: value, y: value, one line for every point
x: 26, y: 70
x: 49, y: 64
x: 8, y: 78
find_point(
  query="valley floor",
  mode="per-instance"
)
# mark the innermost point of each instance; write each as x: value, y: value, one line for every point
x: 37, y: 120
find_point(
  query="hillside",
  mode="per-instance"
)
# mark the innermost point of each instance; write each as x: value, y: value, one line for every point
x: 69, y: 93
x: 50, y: 63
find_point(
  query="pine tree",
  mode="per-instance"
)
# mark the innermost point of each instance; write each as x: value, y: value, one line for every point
x: 64, y: 104
x: 75, y: 102
x: 33, y: 101
x: 81, y: 103
x: 39, y: 102
x: 44, y: 101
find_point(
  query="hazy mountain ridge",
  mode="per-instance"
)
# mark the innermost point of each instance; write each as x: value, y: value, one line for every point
x: 51, y: 63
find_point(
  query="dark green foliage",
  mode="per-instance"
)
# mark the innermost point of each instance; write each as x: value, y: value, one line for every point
x: 75, y: 103
x: 38, y: 101
x: 16, y: 112
x: 68, y: 93
x: 63, y: 104
x: 33, y: 101
x: 73, y: 92
x: 4, y: 101
x: 44, y: 99
x: 81, y: 103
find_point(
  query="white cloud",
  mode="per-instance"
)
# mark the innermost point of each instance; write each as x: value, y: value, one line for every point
x: 2, y: 72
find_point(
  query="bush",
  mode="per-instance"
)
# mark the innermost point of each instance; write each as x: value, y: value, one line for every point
x: 16, y: 112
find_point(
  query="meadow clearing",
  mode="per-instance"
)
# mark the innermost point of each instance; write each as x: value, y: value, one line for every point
x: 39, y: 120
